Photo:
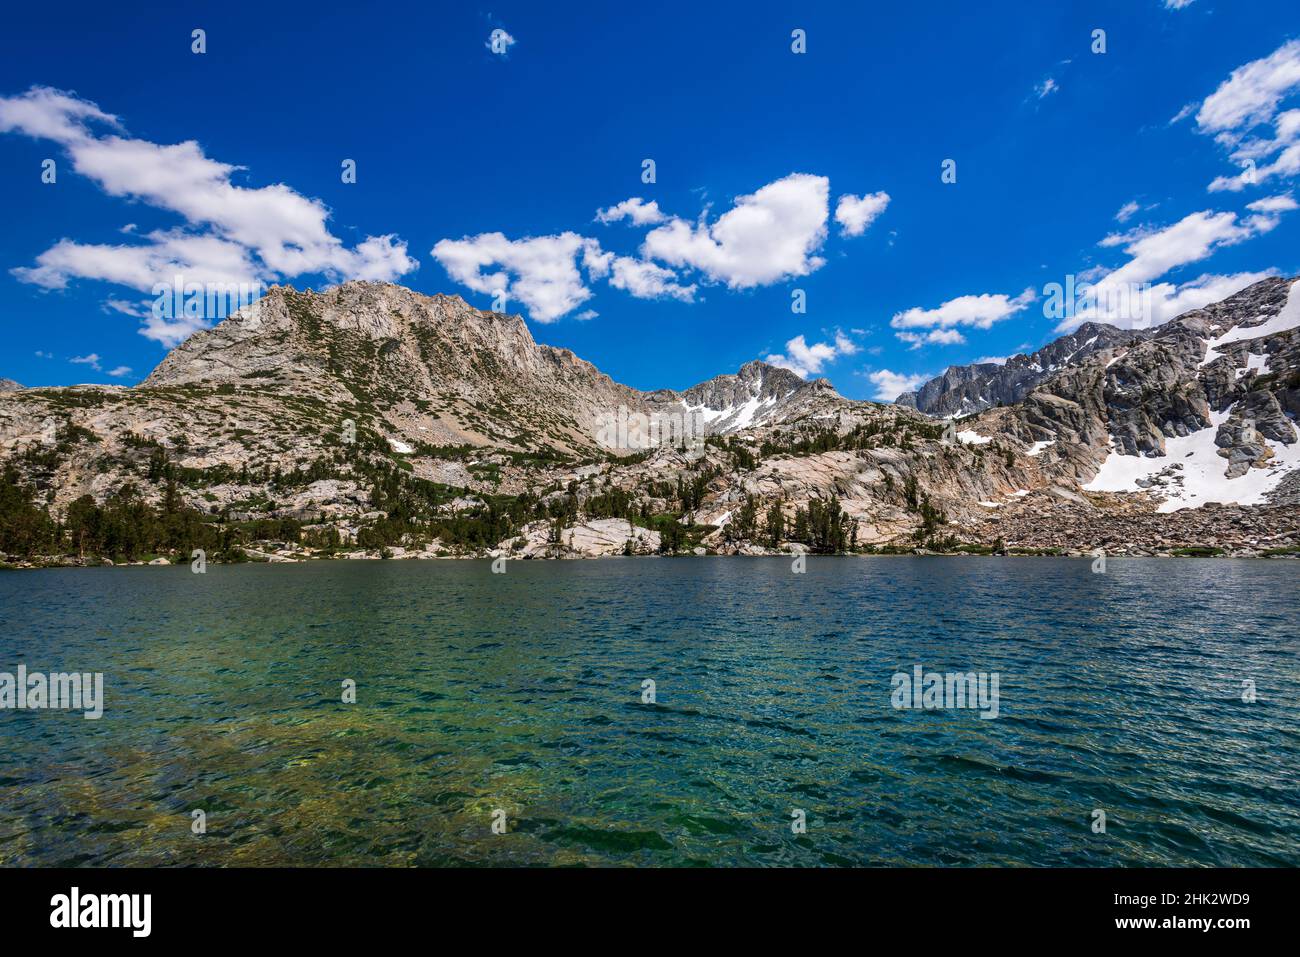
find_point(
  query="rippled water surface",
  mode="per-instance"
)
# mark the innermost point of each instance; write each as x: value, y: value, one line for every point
x: 1119, y: 691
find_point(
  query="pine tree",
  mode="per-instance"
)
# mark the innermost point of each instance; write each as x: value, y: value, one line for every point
x: 775, y: 525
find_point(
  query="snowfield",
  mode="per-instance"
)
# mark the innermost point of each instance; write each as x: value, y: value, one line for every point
x: 1254, y: 363
x: 1288, y: 318
x: 745, y: 414
x: 1202, y: 471
x: 1193, y: 469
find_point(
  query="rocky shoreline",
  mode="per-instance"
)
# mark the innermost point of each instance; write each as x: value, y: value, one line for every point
x: 72, y: 562
x: 1060, y: 531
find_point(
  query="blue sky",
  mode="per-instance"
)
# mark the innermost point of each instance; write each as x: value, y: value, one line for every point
x: 1121, y: 168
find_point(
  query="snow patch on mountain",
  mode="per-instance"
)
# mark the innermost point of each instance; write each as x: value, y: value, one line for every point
x: 1254, y: 363
x: 735, y: 417
x: 1285, y: 320
x: 1192, y: 473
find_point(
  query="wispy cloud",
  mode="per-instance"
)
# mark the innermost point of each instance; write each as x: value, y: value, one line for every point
x: 1131, y: 296
x: 1126, y: 212
x: 1249, y: 98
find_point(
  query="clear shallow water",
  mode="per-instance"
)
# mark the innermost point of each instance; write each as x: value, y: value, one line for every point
x: 523, y: 691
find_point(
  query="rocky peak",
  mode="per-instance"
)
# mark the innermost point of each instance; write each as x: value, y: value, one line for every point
x: 754, y: 380
x: 1208, y: 397
x: 757, y: 393
x: 964, y: 390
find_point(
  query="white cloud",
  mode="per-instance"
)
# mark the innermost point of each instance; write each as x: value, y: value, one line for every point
x: 91, y: 360
x: 1286, y: 131
x: 1251, y: 97
x: 1178, y: 4
x: 232, y: 233
x: 844, y: 345
x: 120, y: 372
x: 856, y: 213
x: 1126, y: 212
x: 1273, y: 204
x: 1046, y: 88
x: 636, y: 210
x: 136, y: 310
x: 943, y: 337
x: 977, y: 311
x: 1130, y: 297
x: 1251, y: 94
x: 890, y: 385
x: 202, y: 259
x: 645, y: 280
x: 1170, y: 300
x: 993, y: 360
x: 586, y: 315
x: 49, y: 114
x: 767, y: 236
x: 1193, y: 238
x: 170, y: 333
x: 1156, y: 304
x: 541, y: 272
x: 1286, y: 164
x: 806, y: 360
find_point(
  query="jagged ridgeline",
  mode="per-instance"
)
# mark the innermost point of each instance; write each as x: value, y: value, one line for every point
x: 372, y: 419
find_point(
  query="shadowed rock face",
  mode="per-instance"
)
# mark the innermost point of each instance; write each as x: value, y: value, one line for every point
x: 964, y: 390
x: 9, y: 385
x: 1229, y: 371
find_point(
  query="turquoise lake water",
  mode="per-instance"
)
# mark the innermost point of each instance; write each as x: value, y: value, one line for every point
x: 522, y: 692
